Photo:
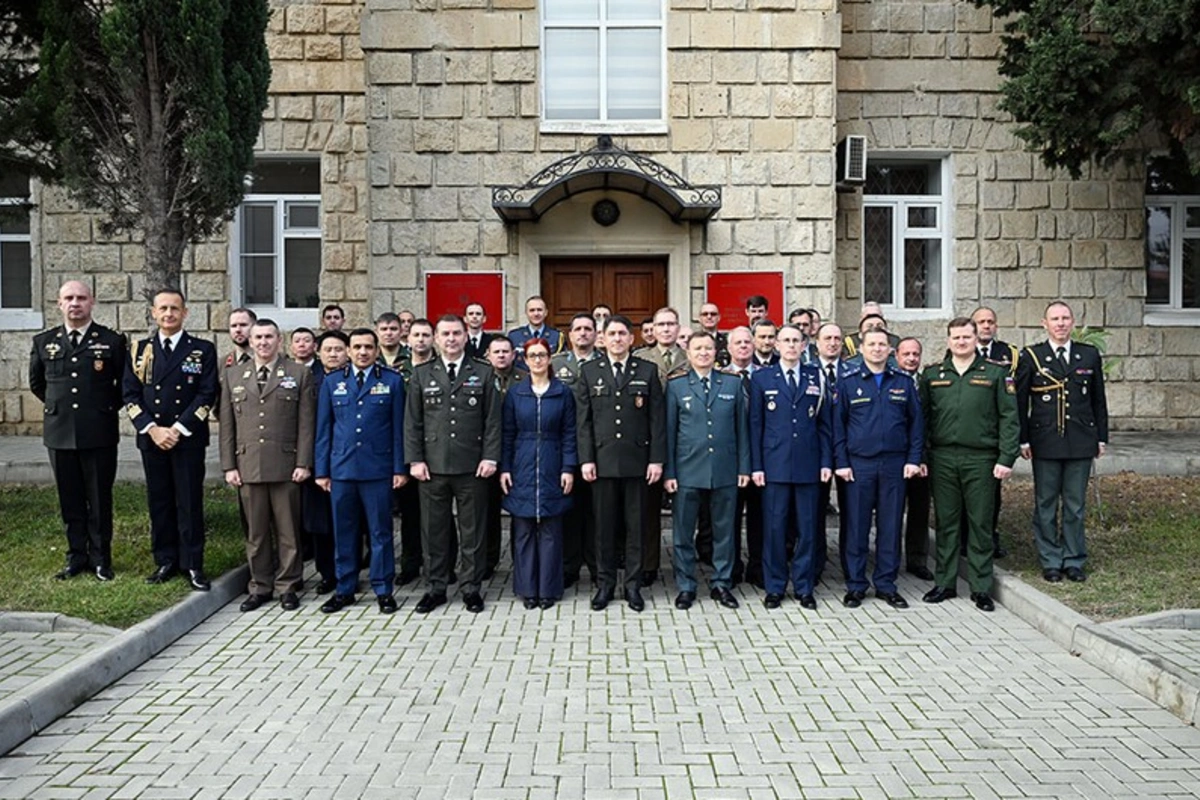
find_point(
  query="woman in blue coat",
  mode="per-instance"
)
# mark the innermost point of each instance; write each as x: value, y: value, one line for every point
x: 537, y: 466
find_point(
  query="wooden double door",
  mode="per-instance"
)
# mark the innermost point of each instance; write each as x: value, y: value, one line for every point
x: 635, y: 286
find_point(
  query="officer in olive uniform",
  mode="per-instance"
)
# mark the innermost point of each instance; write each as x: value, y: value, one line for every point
x: 501, y: 356
x: 622, y: 447
x: 169, y: 389
x: 971, y: 431
x: 75, y: 369
x: 1064, y: 425
x: 452, y: 436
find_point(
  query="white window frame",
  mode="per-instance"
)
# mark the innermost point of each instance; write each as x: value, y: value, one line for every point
x: 1172, y: 312
x: 287, y: 318
x: 23, y: 319
x: 603, y: 125
x: 900, y: 203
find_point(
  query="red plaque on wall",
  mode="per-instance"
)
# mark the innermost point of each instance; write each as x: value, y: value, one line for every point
x: 452, y: 292
x: 729, y: 290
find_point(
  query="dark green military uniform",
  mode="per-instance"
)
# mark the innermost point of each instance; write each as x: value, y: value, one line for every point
x: 970, y: 426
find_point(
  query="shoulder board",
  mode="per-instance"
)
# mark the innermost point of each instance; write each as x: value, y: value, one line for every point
x: 677, y: 376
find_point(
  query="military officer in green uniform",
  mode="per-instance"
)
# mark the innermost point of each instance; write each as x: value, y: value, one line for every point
x: 971, y: 433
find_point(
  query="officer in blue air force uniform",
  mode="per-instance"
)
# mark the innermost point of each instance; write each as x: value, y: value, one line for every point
x: 791, y: 454
x: 359, y: 458
x: 708, y: 459
x: 878, y: 441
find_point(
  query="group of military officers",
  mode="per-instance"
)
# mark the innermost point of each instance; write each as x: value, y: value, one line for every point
x: 754, y: 426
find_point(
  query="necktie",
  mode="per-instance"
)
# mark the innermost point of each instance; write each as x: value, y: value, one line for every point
x: 704, y: 385
x: 263, y: 373
x: 619, y: 371
x: 474, y: 342
x: 1062, y: 357
x: 744, y: 372
x: 74, y: 339
x: 668, y: 359
x: 831, y: 373
x: 453, y: 370
x: 167, y: 348
x: 983, y: 350
x: 791, y: 379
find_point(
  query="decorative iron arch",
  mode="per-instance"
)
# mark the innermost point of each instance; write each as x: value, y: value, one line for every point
x: 606, y: 166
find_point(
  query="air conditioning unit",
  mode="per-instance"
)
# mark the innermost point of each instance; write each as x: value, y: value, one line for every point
x: 852, y: 161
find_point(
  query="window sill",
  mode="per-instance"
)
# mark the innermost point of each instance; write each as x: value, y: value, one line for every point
x: 20, y: 319
x: 916, y: 314
x: 623, y: 128
x: 289, y: 319
x: 1159, y: 317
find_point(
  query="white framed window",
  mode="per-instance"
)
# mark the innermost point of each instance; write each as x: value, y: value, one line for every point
x: 906, y: 236
x: 603, y: 66
x: 277, y: 242
x: 1172, y: 245
x: 16, y: 254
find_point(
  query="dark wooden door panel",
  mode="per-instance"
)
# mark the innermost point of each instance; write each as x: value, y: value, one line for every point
x: 635, y: 287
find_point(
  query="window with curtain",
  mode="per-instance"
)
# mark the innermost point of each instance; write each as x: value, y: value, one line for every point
x: 1172, y: 238
x: 16, y: 259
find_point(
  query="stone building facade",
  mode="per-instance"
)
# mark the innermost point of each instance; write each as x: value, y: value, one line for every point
x: 406, y: 114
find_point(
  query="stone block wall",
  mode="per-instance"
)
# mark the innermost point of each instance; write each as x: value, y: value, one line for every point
x: 920, y: 77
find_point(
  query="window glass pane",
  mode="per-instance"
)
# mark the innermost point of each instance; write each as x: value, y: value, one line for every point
x: 1189, y: 296
x: 14, y: 219
x: 571, y: 10
x: 16, y: 276
x: 283, y: 176
x: 572, y: 74
x: 877, y: 254
x: 1158, y: 254
x: 258, y: 229
x: 903, y: 177
x: 922, y: 273
x: 14, y: 183
x: 258, y: 280
x: 634, y: 70
x: 922, y: 217
x: 1191, y: 217
x: 1166, y: 175
x: 301, y: 272
x: 621, y: 10
x: 303, y: 215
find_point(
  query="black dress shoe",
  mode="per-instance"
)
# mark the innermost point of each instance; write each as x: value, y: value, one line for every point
x: 104, y: 574
x: 634, y: 598
x: 937, y: 594
x: 473, y: 602
x: 254, y: 602
x: 1076, y: 574
x: 724, y: 597
x: 429, y: 601
x: 983, y: 601
x: 68, y: 572
x: 807, y: 601
x: 326, y: 586
x: 853, y: 598
x: 199, y: 580
x: 531, y: 603
x: 337, y: 603
x: 919, y: 571
x: 546, y: 603
x: 289, y: 601
x: 162, y: 574
x: 405, y: 578
x: 1052, y: 575
x: 684, y: 600
x: 893, y: 599
x: 602, y: 598
x: 649, y: 577
x: 387, y: 603
x: 772, y: 600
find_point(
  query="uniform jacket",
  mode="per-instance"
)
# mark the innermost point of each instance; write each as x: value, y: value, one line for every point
x: 1001, y: 353
x: 791, y: 433
x: 708, y: 438
x: 80, y: 388
x: 523, y: 334
x: 509, y: 379
x: 621, y: 427
x: 164, y: 391
x: 360, y: 432
x: 975, y: 410
x: 1064, y: 414
x: 266, y: 435
x: 871, y: 421
x: 479, y: 351
x: 538, y: 447
x: 657, y: 356
x: 566, y: 365
x: 452, y: 427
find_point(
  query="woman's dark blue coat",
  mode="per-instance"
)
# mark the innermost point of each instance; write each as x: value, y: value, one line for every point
x: 538, y: 446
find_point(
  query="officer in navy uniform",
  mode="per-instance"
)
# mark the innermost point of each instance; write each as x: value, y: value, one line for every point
x: 878, y: 444
x: 359, y: 459
x: 791, y: 455
x: 622, y: 447
x: 170, y: 387
x: 1064, y: 425
x: 535, y: 313
x: 708, y: 460
x: 75, y: 370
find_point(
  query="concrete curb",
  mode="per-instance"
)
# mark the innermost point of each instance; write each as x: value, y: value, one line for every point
x: 34, y: 707
x: 49, y: 622
x: 1102, y: 646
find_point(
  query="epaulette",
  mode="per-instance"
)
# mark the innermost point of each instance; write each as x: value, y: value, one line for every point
x: 677, y: 377
x: 482, y: 361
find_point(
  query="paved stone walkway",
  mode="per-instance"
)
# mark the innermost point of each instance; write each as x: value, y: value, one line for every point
x: 1177, y: 646
x: 936, y: 701
x: 26, y: 656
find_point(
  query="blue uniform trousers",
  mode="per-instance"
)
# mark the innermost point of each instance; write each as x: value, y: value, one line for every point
x: 686, y: 509
x: 354, y: 501
x: 789, y: 506
x: 537, y: 557
x: 878, y: 489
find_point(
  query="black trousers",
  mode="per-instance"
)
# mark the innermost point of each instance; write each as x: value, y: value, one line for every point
x: 617, y: 500
x: 916, y: 523
x: 579, y: 531
x: 85, y: 496
x: 408, y: 502
x: 749, y: 508
x: 175, y: 494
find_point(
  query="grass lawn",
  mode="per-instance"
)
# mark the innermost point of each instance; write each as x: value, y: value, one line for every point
x: 33, y: 548
x: 1143, y: 542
